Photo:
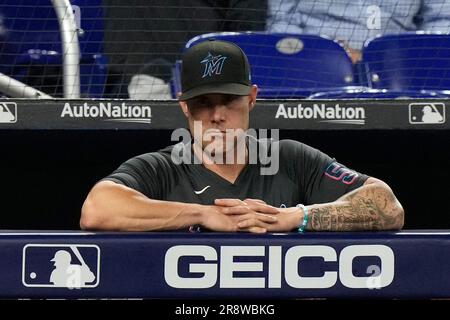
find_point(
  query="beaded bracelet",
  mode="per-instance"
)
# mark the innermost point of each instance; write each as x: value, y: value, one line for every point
x: 302, y: 227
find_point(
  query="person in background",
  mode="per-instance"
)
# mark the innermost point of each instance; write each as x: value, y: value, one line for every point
x: 143, y: 39
x: 353, y: 22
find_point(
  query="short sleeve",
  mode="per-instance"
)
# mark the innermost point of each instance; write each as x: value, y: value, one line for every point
x: 141, y: 173
x: 321, y: 178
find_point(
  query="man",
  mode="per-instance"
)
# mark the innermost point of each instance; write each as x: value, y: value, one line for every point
x: 175, y: 189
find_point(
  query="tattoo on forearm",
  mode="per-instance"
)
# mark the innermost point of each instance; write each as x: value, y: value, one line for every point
x: 368, y: 208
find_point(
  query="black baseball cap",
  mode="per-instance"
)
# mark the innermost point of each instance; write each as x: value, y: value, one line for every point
x: 215, y: 66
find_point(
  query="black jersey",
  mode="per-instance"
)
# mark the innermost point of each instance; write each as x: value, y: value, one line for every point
x: 305, y: 175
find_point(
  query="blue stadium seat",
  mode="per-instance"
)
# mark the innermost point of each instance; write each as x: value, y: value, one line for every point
x: 368, y: 93
x: 410, y: 61
x: 32, y: 42
x: 287, y: 65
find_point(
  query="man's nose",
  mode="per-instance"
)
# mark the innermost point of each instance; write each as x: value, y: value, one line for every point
x: 218, y: 113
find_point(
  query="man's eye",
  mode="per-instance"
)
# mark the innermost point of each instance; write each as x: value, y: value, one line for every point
x: 230, y: 98
x: 227, y: 100
x: 199, y: 103
x: 202, y: 101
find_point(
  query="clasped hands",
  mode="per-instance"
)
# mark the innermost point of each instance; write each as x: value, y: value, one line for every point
x: 250, y: 215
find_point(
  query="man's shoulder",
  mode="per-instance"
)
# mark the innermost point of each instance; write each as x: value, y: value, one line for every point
x: 271, y: 142
x: 288, y: 143
x: 289, y: 146
x: 161, y: 156
x: 295, y: 150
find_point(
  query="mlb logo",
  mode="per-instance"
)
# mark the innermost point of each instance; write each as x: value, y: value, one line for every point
x: 8, y: 112
x: 61, y: 266
x: 427, y: 113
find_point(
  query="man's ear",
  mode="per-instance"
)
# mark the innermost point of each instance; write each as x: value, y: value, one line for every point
x: 251, y: 105
x: 184, y: 108
x: 253, y: 94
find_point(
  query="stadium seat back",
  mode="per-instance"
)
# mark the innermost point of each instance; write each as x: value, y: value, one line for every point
x: 369, y: 93
x: 411, y: 61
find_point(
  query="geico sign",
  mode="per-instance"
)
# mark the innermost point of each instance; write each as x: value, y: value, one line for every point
x: 213, y: 269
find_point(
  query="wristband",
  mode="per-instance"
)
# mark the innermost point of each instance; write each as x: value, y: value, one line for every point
x: 302, y: 227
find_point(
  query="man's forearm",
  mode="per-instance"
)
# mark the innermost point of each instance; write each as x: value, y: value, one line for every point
x: 370, y: 207
x: 110, y: 206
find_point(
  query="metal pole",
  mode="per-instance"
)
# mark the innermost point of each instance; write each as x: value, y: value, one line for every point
x: 70, y: 48
x: 17, y: 89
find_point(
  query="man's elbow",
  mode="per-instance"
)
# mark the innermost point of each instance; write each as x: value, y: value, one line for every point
x: 392, y: 212
x: 90, y: 215
x: 398, y: 218
x: 93, y: 210
x: 395, y: 211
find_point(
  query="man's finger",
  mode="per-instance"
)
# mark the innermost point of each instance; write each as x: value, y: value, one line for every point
x: 236, y: 210
x: 254, y: 200
x: 254, y: 204
x: 252, y: 222
x: 253, y: 230
x: 261, y: 206
x: 259, y: 216
x: 264, y: 208
x: 229, y: 202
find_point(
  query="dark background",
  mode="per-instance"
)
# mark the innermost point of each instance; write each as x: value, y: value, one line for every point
x: 47, y: 174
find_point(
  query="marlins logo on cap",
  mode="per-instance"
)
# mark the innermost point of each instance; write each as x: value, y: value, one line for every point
x: 215, y: 66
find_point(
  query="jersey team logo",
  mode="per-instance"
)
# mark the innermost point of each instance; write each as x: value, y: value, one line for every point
x: 338, y: 172
x: 71, y: 266
x: 213, y: 65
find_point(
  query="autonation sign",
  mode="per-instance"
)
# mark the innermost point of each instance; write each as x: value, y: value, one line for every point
x: 122, y: 112
x: 273, y: 265
x: 333, y: 113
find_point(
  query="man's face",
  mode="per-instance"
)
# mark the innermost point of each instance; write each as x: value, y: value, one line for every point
x: 220, y: 118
